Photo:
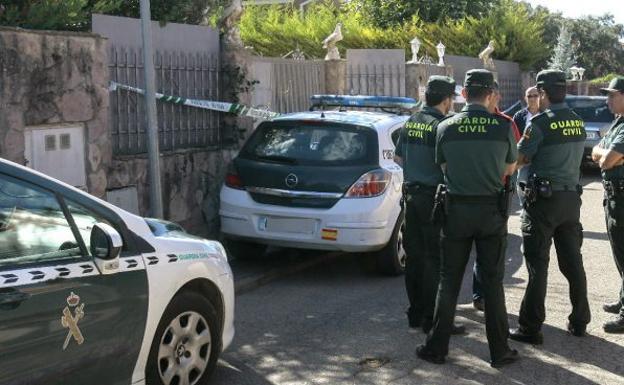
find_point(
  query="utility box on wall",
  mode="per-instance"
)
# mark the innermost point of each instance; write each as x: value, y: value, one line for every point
x: 58, y: 152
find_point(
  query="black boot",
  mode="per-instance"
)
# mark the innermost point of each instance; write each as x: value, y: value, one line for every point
x: 424, y: 354
x: 612, y: 307
x: 615, y: 326
x: 577, y: 330
x: 522, y: 335
x: 509, y: 357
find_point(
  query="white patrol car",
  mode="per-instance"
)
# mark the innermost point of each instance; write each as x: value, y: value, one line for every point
x: 320, y: 180
x: 91, y: 294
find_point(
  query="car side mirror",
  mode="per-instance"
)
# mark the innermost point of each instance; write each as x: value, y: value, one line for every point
x: 106, y: 244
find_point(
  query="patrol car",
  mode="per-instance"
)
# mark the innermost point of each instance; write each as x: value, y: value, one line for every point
x: 322, y: 179
x: 91, y: 294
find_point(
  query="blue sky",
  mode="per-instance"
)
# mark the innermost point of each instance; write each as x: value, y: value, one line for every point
x: 576, y: 8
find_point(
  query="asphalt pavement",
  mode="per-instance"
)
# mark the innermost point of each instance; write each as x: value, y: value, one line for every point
x: 335, y: 321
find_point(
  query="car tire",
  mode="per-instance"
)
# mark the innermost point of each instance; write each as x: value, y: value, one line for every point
x: 243, y: 250
x: 178, y: 348
x: 391, y: 259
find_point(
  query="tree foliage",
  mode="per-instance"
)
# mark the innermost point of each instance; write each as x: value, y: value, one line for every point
x: 70, y: 15
x: 385, y: 13
x: 75, y: 15
x: 274, y: 31
x: 597, y: 44
x: 563, y: 57
x: 515, y: 29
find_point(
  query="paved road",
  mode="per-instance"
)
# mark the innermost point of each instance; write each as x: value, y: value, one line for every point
x: 339, y: 323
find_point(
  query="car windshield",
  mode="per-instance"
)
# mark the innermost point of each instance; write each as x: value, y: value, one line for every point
x: 591, y: 110
x: 302, y: 143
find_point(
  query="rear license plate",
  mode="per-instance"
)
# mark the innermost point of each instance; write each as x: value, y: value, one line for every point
x: 287, y: 225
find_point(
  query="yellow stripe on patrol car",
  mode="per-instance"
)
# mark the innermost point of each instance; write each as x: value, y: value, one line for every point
x: 329, y: 234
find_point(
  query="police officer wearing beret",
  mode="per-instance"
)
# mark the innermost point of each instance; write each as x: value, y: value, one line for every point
x: 476, y: 149
x: 415, y: 152
x: 552, y: 146
x: 609, y: 154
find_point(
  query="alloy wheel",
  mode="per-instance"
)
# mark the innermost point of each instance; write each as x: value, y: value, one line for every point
x: 184, y: 350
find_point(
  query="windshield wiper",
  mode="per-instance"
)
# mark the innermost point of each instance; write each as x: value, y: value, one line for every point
x: 277, y: 158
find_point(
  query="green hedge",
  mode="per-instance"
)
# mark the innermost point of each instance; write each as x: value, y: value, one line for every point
x: 277, y: 30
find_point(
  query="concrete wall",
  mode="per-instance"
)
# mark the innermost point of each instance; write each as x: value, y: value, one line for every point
x: 461, y: 64
x: 125, y: 31
x: 55, y: 80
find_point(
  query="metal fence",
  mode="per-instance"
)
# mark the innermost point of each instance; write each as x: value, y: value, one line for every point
x: 194, y: 76
x: 511, y: 91
x: 382, y: 80
x: 293, y: 82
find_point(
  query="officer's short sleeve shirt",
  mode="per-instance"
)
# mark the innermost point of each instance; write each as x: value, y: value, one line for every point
x: 531, y: 140
x: 614, y: 140
x: 512, y: 154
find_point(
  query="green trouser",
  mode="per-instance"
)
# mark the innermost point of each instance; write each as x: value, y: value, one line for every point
x: 614, y: 215
x: 471, y: 220
x: 546, y: 219
x: 422, y: 245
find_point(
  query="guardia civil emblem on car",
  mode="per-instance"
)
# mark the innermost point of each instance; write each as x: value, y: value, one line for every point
x: 81, y: 279
x: 72, y: 314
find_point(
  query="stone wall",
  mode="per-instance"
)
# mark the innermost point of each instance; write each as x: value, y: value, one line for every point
x: 55, y: 78
x: 191, y: 183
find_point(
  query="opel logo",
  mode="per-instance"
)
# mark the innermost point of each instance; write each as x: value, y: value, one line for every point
x: 291, y: 180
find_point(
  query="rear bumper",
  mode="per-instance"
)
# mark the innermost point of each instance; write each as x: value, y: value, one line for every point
x: 358, y: 224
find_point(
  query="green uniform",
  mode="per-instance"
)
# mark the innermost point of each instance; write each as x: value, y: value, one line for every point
x: 553, y: 143
x: 475, y: 146
x: 421, y: 239
x: 613, y: 180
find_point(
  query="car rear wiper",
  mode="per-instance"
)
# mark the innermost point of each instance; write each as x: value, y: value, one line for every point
x: 278, y: 158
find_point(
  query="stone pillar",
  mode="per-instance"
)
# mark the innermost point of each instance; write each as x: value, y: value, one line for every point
x: 336, y: 77
x: 417, y: 75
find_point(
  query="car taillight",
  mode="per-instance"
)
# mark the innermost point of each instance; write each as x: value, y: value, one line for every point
x: 232, y: 179
x: 371, y: 184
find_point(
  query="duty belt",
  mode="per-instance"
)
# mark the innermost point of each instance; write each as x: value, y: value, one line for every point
x: 473, y: 198
x: 415, y: 187
x: 564, y: 187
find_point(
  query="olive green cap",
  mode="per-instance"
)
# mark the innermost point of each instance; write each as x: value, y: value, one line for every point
x: 442, y: 85
x: 616, y: 84
x: 479, y: 78
x: 549, y: 78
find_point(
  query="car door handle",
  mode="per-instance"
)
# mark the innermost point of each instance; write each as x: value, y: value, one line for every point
x: 13, y: 297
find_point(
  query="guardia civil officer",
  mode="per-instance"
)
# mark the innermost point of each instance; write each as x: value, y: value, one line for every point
x: 415, y: 151
x: 610, y: 156
x: 475, y: 149
x: 552, y: 146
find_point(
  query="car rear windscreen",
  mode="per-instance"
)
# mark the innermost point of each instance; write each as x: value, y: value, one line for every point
x: 591, y: 110
x: 312, y: 144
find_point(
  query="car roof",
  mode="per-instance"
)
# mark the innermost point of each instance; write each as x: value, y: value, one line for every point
x: 360, y: 118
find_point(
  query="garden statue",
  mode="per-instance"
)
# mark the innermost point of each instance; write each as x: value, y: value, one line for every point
x: 330, y: 43
x: 485, y: 55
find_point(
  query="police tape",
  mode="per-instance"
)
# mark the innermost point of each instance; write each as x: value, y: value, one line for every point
x: 232, y: 108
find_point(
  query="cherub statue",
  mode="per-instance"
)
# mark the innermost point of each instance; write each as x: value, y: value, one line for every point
x: 330, y: 43
x: 485, y: 55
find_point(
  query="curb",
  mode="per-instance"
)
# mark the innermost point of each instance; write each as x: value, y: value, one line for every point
x: 248, y: 284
